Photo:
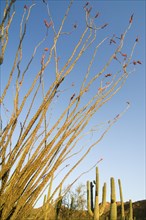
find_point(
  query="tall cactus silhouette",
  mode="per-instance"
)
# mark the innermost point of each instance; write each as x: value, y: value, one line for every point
x: 130, y: 210
x: 98, y: 209
x: 113, y: 205
x: 121, y: 199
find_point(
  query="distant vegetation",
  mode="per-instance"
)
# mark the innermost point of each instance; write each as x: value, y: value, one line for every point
x: 139, y: 212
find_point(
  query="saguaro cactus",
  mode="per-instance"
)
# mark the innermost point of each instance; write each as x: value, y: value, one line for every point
x: 97, y: 210
x: 121, y: 199
x: 113, y: 206
x: 130, y: 210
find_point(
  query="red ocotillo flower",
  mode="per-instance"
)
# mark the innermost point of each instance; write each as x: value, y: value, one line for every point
x: 131, y: 18
x: 97, y: 14
x: 112, y: 41
x: 117, y: 116
x: 25, y: 7
x: 123, y: 54
x: 45, y: 1
x: 139, y: 62
x: 86, y: 5
x: 101, y: 89
x: 75, y: 26
x: 104, y: 26
x: 46, y: 49
x: 137, y: 39
x: 108, y: 74
x: 134, y: 62
x: 72, y: 96
x: 48, y: 25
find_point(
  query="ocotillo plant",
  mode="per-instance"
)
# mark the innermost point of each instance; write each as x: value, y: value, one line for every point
x: 121, y: 199
x: 46, y: 200
x: 97, y: 210
x: 38, y: 139
x: 113, y: 206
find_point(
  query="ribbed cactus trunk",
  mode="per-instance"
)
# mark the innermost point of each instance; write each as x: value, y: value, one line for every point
x: 91, y: 193
x: 97, y: 210
x: 113, y: 205
x: 121, y: 199
x: 130, y: 210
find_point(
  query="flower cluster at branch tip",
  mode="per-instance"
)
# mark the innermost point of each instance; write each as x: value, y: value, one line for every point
x: 86, y: 5
x: 131, y: 18
x: 97, y: 15
x: 25, y: 7
x: 117, y: 116
x: 139, y: 62
x: 108, y: 74
x: 101, y: 89
x: 137, y: 39
x: 123, y: 54
x: 112, y: 41
x: 48, y: 25
x: 104, y: 25
x: 135, y: 62
x: 75, y: 26
x: 46, y: 49
x: 72, y: 96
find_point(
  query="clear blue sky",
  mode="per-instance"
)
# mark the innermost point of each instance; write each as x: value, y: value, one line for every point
x: 123, y: 148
